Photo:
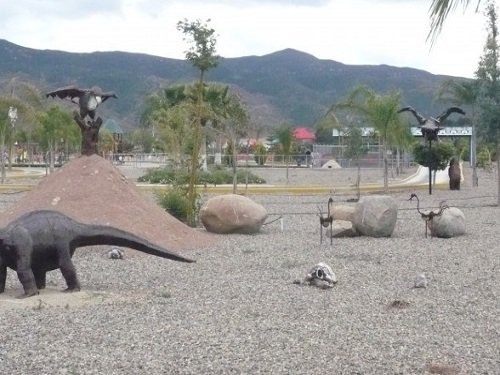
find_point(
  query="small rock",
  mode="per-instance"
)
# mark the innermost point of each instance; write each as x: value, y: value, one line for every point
x: 421, y: 281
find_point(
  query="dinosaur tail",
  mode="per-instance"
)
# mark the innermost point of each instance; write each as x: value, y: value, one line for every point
x: 105, y: 235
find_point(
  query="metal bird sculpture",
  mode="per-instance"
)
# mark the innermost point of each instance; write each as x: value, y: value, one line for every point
x: 431, y: 126
x: 326, y: 221
x: 88, y: 99
x: 429, y: 215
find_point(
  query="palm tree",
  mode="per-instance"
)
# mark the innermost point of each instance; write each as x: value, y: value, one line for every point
x: 439, y: 11
x: 381, y: 111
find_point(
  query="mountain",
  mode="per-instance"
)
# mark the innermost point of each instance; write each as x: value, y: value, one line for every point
x: 287, y: 85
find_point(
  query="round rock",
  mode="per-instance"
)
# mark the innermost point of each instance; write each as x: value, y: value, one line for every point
x: 232, y: 213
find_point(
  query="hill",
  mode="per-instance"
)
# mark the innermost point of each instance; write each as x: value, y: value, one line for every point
x: 287, y: 85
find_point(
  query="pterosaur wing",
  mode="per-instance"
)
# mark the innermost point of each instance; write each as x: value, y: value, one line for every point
x: 448, y: 112
x: 70, y: 92
x: 421, y: 119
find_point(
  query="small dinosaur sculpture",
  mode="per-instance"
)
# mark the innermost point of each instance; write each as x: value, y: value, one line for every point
x: 321, y: 275
x: 430, y: 215
x: 44, y: 240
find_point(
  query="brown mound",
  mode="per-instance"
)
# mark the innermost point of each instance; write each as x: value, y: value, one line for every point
x: 91, y: 190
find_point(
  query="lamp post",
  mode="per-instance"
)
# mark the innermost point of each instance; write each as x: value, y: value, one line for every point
x: 430, y: 133
x: 13, y: 118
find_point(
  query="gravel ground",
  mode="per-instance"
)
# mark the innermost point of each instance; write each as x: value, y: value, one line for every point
x: 237, y: 311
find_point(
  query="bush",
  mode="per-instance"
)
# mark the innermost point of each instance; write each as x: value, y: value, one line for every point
x: 215, y: 176
x: 175, y: 202
x: 484, y: 158
x: 439, y: 157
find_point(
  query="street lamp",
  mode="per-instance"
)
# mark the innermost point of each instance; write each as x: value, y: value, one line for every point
x: 12, y: 114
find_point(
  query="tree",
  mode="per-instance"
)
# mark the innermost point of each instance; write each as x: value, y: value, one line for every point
x: 439, y: 11
x: 355, y: 150
x: 54, y: 126
x: 234, y: 126
x: 488, y: 76
x: 437, y: 158
x: 381, y: 111
x: 202, y: 55
x: 284, y: 135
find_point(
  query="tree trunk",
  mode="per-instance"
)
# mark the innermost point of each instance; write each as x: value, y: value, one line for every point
x: 2, y: 151
x: 386, y: 172
x: 203, y: 153
x: 286, y: 163
x: 358, y: 181
x: 498, y: 173
x: 235, y: 176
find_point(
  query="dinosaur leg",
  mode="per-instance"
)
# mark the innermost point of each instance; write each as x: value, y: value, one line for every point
x: 3, y: 276
x: 24, y: 251
x: 67, y: 268
x: 40, y: 277
x: 27, y: 279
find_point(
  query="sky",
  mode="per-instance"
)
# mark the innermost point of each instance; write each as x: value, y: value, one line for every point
x: 357, y: 32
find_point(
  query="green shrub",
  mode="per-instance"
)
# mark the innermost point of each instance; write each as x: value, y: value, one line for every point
x: 483, y: 159
x: 174, y: 201
x: 439, y: 156
x: 215, y: 176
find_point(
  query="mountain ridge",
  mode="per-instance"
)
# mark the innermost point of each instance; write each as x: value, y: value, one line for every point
x: 287, y: 85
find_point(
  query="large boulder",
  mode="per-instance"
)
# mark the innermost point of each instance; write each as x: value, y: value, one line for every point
x: 450, y: 223
x: 232, y: 213
x: 341, y: 228
x: 343, y: 212
x: 376, y: 216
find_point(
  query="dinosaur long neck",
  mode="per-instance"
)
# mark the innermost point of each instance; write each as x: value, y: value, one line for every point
x: 92, y: 235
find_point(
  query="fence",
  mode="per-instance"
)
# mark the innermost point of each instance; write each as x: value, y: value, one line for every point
x: 330, y: 157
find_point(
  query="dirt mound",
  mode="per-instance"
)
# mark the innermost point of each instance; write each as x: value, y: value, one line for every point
x: 91, y: 190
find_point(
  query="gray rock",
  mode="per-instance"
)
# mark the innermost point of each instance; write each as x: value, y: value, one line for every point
x: 341, y: 228
x: 376, y: 215
x: 421, y: 281
x: 232, y: 213
x: 343, y: 212
x: 450, y: 223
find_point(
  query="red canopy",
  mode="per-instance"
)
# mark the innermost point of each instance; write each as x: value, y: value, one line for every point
x: 303, y: 134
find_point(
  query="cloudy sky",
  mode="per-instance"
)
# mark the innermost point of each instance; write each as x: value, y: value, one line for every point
x: 374, y: 32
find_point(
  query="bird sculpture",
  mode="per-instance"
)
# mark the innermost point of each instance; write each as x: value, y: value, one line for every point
x: 431, y: 126
x: 88, y: 99
x: 428, y: 216
x: 326, y: 221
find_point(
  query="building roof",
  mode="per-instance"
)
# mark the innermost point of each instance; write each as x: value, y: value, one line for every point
x: 303, y: 134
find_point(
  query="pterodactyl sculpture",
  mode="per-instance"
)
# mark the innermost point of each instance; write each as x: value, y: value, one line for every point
x: 429, y: 216
x: 431, y: 126
x: 88, y: 99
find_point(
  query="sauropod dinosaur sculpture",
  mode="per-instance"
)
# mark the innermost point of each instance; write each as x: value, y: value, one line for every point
x: 44, y: 240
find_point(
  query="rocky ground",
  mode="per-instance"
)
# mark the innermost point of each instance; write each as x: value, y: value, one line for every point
x: 237, y: 311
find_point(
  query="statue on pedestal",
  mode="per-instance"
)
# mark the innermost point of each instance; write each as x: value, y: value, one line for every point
x: 88, y: 101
